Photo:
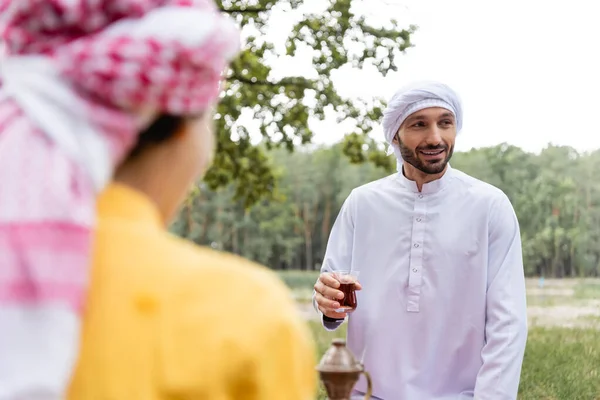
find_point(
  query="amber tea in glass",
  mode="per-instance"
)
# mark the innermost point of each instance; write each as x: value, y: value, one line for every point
x: 347, y: 280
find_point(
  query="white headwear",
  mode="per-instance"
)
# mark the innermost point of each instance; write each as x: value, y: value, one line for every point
x: 416, y: 97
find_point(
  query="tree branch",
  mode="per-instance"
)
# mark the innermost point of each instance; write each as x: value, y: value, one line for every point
x: 244, y: 10
x: 283, y: 82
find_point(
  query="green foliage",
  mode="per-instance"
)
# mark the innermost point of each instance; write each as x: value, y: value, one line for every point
x: 289, y: 230
x: 283, y: 106
x: 557, y: 200
x: 555, y: 194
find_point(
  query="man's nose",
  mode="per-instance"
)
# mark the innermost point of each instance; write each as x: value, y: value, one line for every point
x: 434, y: 136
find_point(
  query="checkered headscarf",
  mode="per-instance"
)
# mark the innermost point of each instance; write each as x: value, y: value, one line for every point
x: 78, y: 81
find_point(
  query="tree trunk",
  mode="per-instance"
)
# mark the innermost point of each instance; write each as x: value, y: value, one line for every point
x: 189, y: 219
x: 325, y: 226
x: 207, y: 222
x: 308, y: 247
x: 219, y: 238
x: 235, y: 248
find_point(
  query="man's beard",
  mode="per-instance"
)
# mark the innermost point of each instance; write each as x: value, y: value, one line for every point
x: 426, y: 166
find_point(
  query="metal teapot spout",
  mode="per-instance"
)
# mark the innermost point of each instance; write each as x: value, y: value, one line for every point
x: 339, y: 371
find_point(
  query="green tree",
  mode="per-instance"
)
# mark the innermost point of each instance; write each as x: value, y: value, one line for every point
x: 282, y: 107
x: 556, y: 197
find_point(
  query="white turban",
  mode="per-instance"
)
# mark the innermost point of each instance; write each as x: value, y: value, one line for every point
x: 416, y: 97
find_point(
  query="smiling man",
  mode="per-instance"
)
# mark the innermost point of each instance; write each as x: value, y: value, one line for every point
x: 441, y: 309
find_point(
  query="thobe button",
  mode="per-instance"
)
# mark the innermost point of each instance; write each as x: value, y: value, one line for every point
x: 416, y: 244
x: 420, y: 196
x: 418, y: 219
x: 414, y: 270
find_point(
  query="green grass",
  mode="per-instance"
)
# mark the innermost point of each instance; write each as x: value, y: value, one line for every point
x: 593, y: 320
x: 543, y: 301
x: 299, y: 279
x: 559, y: 364
x: 587, y: 290
x: 301, y: 283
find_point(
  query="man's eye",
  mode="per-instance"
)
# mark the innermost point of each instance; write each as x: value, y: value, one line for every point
x: 447, y: 122
x: 419, y: 124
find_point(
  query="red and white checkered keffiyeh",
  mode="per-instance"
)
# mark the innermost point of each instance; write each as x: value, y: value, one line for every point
x: 78, y: 80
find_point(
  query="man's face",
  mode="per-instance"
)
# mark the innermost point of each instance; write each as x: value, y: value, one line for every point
x: 426, y: 139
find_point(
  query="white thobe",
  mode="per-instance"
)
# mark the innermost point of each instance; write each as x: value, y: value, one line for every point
x: 442, y: 313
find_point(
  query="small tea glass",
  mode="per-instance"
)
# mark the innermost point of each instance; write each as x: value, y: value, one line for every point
x: 347, y: 280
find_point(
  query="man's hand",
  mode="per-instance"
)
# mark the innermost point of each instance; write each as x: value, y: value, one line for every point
x: 328, y: 296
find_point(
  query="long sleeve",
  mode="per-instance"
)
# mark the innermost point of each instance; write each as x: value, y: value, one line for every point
x: 338, y: 254
x: 506, y: 309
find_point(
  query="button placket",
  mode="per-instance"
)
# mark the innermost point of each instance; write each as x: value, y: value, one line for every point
x: 416, y: 256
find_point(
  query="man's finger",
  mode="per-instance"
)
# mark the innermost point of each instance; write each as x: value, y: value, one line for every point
x: 357, y: 285
x: 327, y: 291
x: 328, y: 280
x: 326, y: 303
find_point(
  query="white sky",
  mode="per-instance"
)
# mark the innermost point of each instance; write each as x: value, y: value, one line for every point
x: 526, y: 70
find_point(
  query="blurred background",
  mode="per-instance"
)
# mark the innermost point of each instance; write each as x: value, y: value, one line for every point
x: 298, y: 128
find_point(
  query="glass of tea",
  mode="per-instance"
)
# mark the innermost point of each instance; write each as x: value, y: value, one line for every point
x: 347, y: 279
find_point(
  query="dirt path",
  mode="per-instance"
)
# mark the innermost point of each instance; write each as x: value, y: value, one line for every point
x: 551, y: 305
x: 565, y: 316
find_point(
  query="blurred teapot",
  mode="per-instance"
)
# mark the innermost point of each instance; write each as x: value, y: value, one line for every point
x: 339, y: 371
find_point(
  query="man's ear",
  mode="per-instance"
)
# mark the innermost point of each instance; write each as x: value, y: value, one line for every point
x: 395, y: 140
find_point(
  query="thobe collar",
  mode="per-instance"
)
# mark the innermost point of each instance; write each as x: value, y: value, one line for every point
x: 429, y: 187
x: 119, y: 201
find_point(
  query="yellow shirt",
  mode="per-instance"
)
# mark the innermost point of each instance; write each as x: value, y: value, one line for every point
x: 166, y: 319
